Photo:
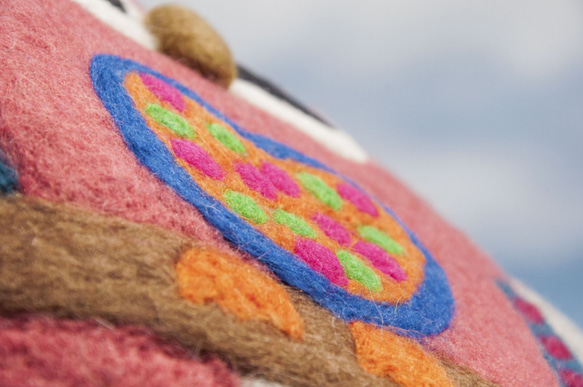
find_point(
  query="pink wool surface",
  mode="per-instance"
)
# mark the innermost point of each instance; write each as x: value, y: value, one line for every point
x: 40, y: 351
x: 66, y: 148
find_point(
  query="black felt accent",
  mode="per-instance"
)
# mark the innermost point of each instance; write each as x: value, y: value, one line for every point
x: 117, y: 4
x: 272, y: 89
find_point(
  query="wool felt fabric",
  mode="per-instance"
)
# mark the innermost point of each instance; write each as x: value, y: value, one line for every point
x: 430, y: 306
x: 205, y: 276
x: 567, y: 367
x: 380, y: 353
x: 564, y: 328
x: 127, y: 21
x: 40, y: 351
x: 48, y: 117
x: 122, y: 272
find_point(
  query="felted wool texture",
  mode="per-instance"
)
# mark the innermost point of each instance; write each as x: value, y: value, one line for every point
x: 208, y: 276
x: 41, y: 351
x: 463, y: 376
x: 568, y: 369
x: 60, y: 260
x: 123, y: 188
x: 164, y: 92
x: 188, y: 38
x: 562, y: 325
x: 124, y: 21
x: 36, y: 38
x: 484, y: 321
x: 88, y: 266
x: 43, y: 139
x: 430, y: 319
x: 385, y: 353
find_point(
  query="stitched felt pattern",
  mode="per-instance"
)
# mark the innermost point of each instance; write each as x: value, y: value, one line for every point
x: 569, y: 371
x: 143, y: 291
x: 246, y: 205
x: 281, y: 217
x: 207, y: 275
x: 43, y: 351
x: 383, y: 353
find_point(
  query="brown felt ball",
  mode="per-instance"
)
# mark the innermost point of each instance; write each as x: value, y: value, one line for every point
x: 188, y: 38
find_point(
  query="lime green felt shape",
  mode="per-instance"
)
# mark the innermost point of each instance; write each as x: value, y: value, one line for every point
x: 245, y: 206
x: 374, y: 235
x: 170, y: 120
x: 295, y: 223
x: 226, y: 138
x: 320, y: 190
x: 356, y: 270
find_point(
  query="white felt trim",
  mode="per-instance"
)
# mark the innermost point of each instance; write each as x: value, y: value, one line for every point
x: 128, y: 24
x: 563, y: 327
x: 335, y: 140
x: 250, y: 382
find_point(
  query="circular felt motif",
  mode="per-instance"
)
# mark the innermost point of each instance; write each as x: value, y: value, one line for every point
x: 315, y: 229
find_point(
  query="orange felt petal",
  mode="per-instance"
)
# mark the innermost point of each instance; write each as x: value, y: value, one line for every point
x: 384, y: 353
x: 207, y: 275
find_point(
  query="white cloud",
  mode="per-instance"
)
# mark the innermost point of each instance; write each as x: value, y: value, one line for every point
x: 503, y: 197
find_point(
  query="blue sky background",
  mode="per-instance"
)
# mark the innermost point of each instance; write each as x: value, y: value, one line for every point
x: 477, y: 106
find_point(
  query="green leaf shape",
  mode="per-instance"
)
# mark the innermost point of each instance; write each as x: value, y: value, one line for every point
x: 226, y: 138
x: 357, y: 270
x: 295, y: 223
x: 170, y: 120
x: 374, y: 235
x: 245, y: 206
x: 320, y: 190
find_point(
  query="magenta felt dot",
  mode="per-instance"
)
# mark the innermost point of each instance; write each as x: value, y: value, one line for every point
x: 529, y: 311
x: 333, y: 229
x: 571, y: 378
x: 555, y: 347
x: 198, y: 158
x: 256, y: 181
x: 360, y: 200
x: 280, y: 179
x: 322, y: 260
x: 164, y: 91
x: 381, y: 260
